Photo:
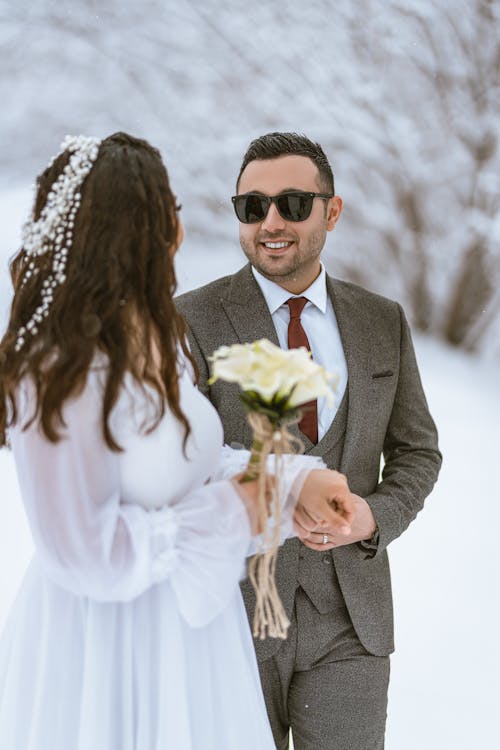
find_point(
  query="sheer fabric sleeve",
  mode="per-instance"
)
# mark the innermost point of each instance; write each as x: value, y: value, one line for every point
x: 96, y: 546
x: 295, y: 470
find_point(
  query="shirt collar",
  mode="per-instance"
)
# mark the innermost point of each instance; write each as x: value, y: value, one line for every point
x: 276, y: 296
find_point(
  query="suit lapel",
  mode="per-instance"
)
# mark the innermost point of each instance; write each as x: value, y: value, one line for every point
x: 357, y: 344
x: 250, y: 318
x: 247, y: 310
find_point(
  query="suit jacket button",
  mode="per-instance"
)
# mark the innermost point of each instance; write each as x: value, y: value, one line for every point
x: 326, y: 560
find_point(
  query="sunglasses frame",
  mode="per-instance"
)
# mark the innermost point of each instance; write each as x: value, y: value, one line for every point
x: 268, y: 199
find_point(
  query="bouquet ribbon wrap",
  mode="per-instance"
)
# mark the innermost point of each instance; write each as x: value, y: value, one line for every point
x: 270, y: 618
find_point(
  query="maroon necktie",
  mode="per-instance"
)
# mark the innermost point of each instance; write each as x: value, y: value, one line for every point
x: 297, y: 337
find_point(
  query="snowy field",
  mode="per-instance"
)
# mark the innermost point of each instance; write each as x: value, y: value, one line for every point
x: 445, y: 679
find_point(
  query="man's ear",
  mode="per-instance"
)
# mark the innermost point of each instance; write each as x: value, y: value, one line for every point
x: 333, y: 211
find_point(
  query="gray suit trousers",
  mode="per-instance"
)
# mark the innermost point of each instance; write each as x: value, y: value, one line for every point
x: 324, y: 684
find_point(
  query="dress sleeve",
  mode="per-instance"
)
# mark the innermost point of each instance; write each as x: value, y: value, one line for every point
x: 295, y: 469
x: 94, y: 545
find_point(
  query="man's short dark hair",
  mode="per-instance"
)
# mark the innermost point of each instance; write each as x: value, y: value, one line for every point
x: 273, y: 145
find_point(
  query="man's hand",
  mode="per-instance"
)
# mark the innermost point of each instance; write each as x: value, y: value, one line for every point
x: 325, y: 498
x: 327, y: 503
x: 312, y: 533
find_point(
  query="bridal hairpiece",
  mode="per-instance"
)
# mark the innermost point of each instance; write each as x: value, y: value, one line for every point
x: 54, y: 227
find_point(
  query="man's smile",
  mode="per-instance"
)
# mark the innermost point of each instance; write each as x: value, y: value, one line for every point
x: 276, y: 247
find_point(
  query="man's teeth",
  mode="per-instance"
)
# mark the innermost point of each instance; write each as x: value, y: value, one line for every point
x: 276, y: 245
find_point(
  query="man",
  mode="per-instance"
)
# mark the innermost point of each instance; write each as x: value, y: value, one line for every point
x: 328, y: 681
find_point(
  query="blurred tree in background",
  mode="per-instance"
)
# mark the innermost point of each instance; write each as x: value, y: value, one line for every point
x: 403, y: 96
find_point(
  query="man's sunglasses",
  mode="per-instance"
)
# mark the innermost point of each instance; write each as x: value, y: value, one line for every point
x: 251, y: 208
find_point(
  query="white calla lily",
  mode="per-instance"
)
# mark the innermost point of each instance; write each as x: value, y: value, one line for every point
x: 265, y: 369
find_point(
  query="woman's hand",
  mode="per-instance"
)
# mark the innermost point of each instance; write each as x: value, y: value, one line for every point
x: 249, y: 493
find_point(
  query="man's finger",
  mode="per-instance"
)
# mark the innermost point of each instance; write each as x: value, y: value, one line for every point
x: 344, y: 504
x: 302, y: 533
x: 331, y: 518
x: 305, y: 534
x: 305, y: 519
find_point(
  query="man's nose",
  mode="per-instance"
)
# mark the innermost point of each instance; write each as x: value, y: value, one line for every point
x: 273, y: 221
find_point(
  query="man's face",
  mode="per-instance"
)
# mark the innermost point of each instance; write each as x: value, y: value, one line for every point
x: 287, y: 252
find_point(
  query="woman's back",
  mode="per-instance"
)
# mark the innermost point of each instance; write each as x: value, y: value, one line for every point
x: 95, y: 653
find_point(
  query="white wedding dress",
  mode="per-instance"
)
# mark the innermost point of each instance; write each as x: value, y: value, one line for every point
x: 129, y: 631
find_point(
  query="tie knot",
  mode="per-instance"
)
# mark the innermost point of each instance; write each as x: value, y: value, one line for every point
x: 296, y: 305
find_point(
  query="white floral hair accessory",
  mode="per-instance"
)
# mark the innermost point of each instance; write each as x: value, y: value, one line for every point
x: 54, y: 227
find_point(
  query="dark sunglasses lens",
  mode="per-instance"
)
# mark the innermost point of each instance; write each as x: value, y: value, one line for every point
x: 250, y: 208
x: 295, y: 206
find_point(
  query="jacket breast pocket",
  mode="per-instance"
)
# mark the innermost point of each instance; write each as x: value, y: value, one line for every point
x: 382, y: 374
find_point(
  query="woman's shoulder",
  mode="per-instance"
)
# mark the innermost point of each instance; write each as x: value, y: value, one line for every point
x: 136, y: 406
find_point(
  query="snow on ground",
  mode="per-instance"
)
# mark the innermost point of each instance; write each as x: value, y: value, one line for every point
x: 445, y: 672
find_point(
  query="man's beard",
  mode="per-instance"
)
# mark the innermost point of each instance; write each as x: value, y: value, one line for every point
x: 298, y: 261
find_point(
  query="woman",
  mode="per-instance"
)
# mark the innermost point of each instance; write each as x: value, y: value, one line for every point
x: 129, y: 630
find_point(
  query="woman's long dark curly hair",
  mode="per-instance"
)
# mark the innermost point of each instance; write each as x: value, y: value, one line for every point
x: 117, y: 297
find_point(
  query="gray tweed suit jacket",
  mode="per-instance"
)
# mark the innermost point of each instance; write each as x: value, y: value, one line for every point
x: 387, y: 415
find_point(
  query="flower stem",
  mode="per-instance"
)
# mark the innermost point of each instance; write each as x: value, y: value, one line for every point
x: 252, y: 470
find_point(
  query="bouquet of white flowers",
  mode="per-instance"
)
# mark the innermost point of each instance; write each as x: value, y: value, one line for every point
x: 274, y: 384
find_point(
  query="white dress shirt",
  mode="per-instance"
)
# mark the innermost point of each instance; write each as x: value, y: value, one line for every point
x: 320, y: 324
